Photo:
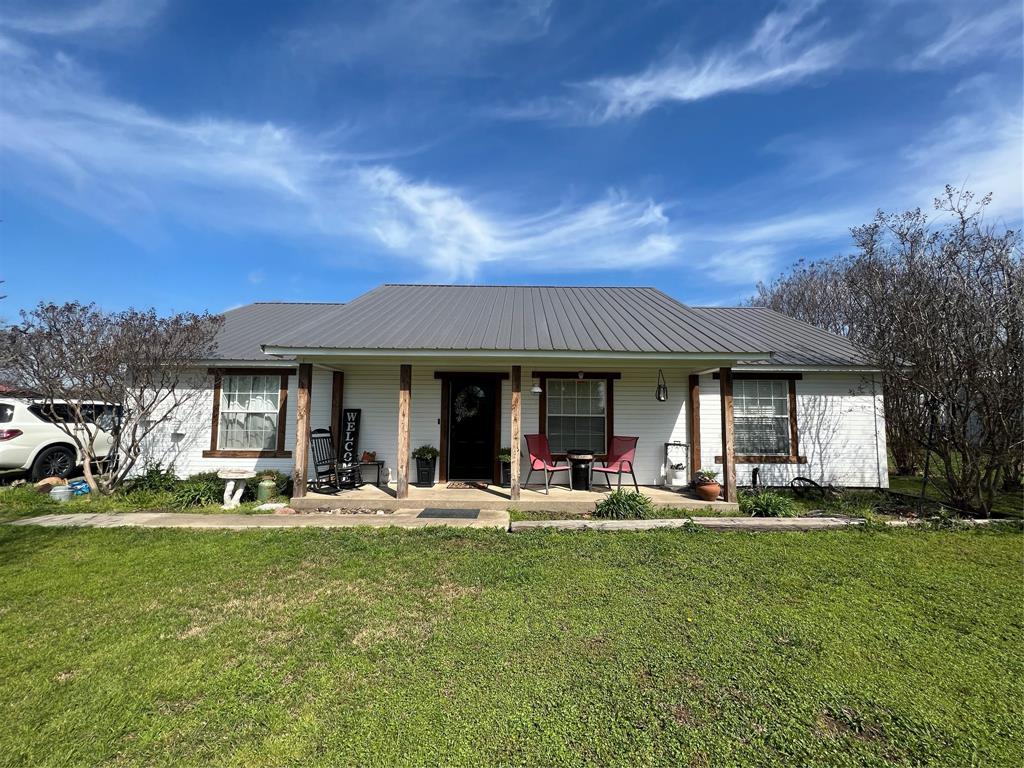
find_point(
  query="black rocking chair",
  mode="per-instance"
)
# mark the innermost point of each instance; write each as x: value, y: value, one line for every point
x: 327, y: 473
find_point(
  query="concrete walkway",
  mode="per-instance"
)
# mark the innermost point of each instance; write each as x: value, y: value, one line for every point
x: 713, y: 523
x: 403, y: 518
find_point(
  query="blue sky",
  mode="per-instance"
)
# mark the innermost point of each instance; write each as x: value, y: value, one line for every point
x: 204, y: 155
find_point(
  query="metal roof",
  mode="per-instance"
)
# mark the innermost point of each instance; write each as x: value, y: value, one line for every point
x: 245, y: 328
x: 793, y: 342
x: 515, y: 318
x: 528, y: 319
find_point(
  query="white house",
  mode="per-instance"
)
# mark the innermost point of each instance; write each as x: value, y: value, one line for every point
x: 457, y: 366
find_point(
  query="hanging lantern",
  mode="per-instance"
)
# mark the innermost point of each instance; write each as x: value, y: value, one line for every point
x: 661, y: 392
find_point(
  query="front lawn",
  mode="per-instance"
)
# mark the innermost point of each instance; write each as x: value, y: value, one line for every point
x: 312, y: 647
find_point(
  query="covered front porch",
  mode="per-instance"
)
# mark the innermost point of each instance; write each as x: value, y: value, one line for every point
x: 422, y: 407
x: 531, y: 498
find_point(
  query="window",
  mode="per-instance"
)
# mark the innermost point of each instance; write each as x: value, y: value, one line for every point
x: 6, y: 413
x: 761, y: 417
x: 249, y: 410
x: 577, y: 412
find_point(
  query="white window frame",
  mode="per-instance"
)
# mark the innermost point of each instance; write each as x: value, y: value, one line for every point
x: 757, y: 400
x: 555, y: 408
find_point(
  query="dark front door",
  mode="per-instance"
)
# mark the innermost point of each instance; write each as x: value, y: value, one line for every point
x: 472, y: 418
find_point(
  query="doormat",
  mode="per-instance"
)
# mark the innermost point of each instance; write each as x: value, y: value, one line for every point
x: 457, y: 484
x: 461, y: 514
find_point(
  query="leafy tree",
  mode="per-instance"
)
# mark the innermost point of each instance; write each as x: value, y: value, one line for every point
x: 120, y: 373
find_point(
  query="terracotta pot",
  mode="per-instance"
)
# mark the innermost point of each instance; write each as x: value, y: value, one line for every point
x: 708, y: 491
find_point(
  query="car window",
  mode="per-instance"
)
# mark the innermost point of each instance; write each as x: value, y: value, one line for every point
x: 6, y: 413
x: 104, y: 415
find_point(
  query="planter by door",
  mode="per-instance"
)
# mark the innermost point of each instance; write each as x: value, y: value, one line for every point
x: 425, y: 471
x: 506, y: 474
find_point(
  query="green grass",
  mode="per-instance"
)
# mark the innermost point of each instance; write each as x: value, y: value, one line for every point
x: 26, y: 501
x: 1007, y: 504
x: 311, y: 647
x: 663, y: 512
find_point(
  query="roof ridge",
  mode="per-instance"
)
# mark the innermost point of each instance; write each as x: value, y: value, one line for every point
x: 514, y: 285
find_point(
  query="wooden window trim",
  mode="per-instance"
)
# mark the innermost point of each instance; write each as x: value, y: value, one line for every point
x: 282, y: 414
x: 609, y: 388
x: 767, y: 376
x: 794, y: 456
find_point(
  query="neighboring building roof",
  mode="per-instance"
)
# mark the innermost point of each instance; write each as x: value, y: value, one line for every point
x: 245, y: 328
x: 515, y: 318
x: 529, y: 318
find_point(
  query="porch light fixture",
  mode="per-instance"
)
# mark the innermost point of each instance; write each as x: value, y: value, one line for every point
x: 536, y: 389
x: 661, y: 391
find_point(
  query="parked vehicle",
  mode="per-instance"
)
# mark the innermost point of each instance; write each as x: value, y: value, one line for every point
x: 30, y: 438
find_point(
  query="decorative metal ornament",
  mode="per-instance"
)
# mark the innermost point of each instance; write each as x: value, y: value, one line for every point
x: 661, y: 392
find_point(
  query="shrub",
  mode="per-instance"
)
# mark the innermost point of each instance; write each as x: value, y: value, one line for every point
x: 505, y: 455
x: 625, y: 505
x: 154, y: 478
x: 767, y: 504
x: 425, y: 453
x: 201, y: 490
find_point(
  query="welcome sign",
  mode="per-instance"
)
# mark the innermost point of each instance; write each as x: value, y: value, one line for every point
x: 349, y: 436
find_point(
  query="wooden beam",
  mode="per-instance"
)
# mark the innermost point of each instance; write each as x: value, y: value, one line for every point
x: 728, y: 437
x: 517, y: 428
x: 337, y: 403
x: 695, y: 457
x: 302, y: 428
x: 404, y: 421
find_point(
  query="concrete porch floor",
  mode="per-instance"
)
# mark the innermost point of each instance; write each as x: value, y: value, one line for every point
x: 533, y: 498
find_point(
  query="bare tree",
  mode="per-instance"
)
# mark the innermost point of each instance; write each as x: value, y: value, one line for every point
x: 121, y: 374
x: 940, y: 309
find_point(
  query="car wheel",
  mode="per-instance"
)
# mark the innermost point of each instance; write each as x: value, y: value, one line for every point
x: 56, y: 461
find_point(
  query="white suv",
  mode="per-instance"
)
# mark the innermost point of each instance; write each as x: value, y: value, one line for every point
x: 31, y: 440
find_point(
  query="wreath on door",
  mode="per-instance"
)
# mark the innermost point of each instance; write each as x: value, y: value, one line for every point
x: 467, y: 402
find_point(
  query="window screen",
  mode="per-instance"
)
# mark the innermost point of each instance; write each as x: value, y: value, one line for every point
x: 576, y: 414
x: 761, y: 417
x: 248, y: 413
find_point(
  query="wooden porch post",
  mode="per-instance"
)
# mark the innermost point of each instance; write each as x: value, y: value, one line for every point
x: 337, y: 401
x: 695, y: 457
x: 302, y: 428
x: 404, y: 419
x: 728, y: 437
x: 517, y: 428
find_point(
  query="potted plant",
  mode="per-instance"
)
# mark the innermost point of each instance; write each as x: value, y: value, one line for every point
x: 505, y: 460
x: 705, y: 482
x: 676, y: 477
x: 426, y: 458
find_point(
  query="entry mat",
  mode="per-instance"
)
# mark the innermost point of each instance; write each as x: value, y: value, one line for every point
x: 457, y: 484
x: 461, y: 514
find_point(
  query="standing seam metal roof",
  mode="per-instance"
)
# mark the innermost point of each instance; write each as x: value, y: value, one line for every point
x: 528, y: 318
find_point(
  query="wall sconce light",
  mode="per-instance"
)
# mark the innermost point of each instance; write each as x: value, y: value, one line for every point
x: 536, y: 389
x: 661, y: 391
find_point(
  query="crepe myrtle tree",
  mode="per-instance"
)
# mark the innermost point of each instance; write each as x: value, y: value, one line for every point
x: 938, y: 306
x: 123, y: 373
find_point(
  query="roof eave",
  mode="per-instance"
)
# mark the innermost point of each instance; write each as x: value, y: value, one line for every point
x: 306, y: 352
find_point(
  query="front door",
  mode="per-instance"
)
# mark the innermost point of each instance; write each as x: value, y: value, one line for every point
x: 472, y: 423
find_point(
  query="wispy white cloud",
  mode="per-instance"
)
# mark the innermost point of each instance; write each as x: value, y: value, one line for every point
x: 418, y: 34
x: 787, y: 47
x: 101, y: 15
x: 129, y: 167
x: 969, y: 31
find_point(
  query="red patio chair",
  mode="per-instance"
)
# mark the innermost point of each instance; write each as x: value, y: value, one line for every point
x: 540, y: 458
x: 619, y: 461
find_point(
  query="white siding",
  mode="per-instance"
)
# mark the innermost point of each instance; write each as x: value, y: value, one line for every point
x: 841, y: 424
x: 840, y: 427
